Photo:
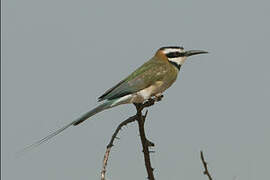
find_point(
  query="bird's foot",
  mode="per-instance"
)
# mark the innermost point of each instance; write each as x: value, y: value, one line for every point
x: 158, y: 97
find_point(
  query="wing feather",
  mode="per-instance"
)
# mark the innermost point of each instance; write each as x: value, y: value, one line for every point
x: 102, y: 97
x: 141, y: 78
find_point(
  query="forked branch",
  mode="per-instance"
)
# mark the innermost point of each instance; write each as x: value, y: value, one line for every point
x: 145, y: 143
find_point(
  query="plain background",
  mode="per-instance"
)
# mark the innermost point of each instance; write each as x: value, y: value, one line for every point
x: 60, y: 55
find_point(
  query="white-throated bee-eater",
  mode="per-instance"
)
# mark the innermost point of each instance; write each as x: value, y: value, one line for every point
x: 149, y: 80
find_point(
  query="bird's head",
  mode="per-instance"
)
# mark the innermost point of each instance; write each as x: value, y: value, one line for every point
x: 177, y: 55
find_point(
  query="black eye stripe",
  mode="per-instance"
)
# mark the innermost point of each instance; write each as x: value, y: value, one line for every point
x: 175, y: 54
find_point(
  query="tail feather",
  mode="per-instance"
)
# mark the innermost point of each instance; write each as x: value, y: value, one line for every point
x: 79, y: 120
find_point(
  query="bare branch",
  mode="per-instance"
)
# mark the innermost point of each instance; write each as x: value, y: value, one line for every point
x: 145, y: 142
x: 205, y: 172
x: 110, y: 145
x: 124, y: 123
x: 140, y: 118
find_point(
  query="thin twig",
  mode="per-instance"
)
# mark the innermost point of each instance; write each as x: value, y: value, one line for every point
x: 206, y: 172
x: 110, y: 145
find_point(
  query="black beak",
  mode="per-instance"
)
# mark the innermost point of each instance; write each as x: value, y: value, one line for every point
x: 194, y: 52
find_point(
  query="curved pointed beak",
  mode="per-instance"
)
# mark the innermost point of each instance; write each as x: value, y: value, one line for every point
x: 194, y: 52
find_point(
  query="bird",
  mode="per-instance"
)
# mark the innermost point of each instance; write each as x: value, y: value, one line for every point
x: 148, y: 81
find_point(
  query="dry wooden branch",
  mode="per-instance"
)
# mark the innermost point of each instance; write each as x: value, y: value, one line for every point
x: 110, y: 145
x: 206, y: 172
x: 145, y: 143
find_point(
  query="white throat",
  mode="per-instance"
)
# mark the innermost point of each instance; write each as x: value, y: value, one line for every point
x: 178, y: 60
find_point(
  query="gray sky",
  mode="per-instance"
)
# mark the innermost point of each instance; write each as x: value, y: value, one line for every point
x: 60, y: 55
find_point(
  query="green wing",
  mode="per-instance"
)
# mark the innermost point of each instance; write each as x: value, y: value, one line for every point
x: 151, y: 71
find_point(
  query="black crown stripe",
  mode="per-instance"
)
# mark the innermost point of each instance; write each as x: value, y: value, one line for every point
x: 171, y: 47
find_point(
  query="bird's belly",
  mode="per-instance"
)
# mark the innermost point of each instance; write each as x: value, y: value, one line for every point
x: 139, y: 97
x: 148, y: 92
